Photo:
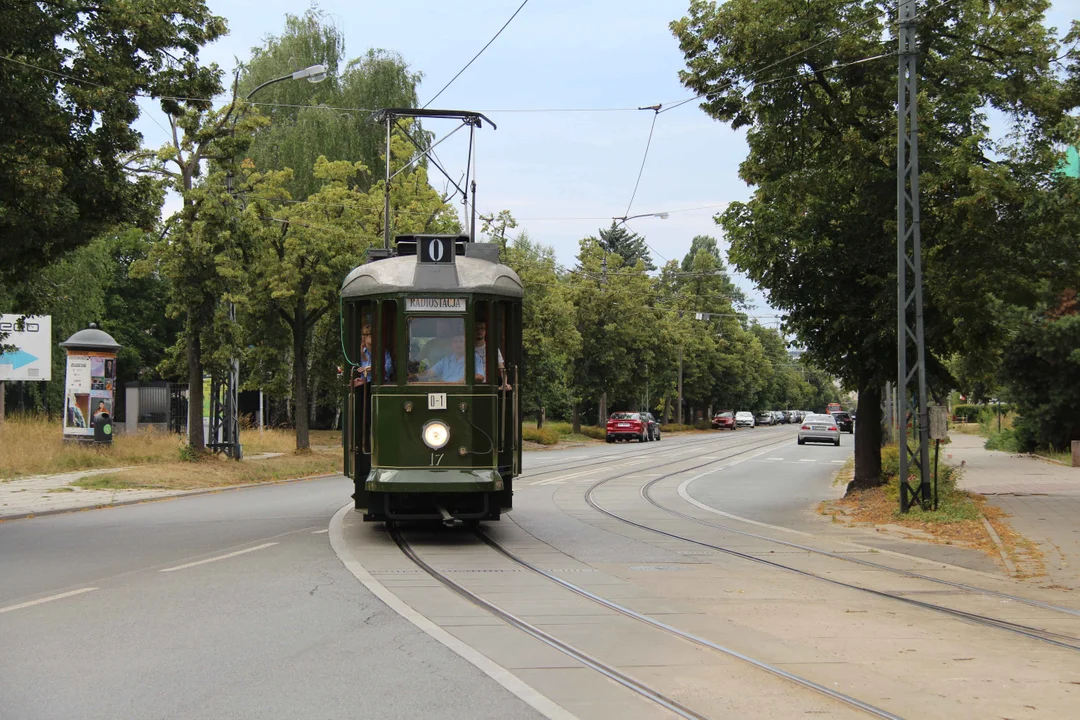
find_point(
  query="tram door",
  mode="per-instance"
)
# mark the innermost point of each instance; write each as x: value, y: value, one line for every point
x: 508, y: 340
x: 359, y: 343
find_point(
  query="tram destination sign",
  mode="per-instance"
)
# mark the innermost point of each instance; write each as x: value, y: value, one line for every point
x: 438, y: 249
x: 435, y: 304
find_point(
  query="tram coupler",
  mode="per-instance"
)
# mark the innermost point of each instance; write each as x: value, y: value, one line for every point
x: 448, y: 519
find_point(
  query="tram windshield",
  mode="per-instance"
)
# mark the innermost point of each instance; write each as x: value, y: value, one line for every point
x: 437, y: 350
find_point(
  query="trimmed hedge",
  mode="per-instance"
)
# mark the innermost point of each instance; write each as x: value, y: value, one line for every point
x: 544, y: 436
x: 675, y: 427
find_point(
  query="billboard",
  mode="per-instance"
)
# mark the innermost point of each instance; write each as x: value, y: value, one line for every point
x: 32, y: 357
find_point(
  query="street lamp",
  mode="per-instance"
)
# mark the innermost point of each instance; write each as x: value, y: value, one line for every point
x: 313, y: 74
x: 621, y: 220
x: 224, y: 422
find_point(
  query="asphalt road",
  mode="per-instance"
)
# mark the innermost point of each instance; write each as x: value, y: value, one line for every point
x: 233, y: 605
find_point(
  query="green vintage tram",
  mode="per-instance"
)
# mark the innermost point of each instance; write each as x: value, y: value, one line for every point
x: 432, y: 335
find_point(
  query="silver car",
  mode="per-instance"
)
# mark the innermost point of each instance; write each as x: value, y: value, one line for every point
x: 819, y: 428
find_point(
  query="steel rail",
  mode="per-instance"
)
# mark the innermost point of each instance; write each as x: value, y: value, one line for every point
x: 809, y: 684
x: 1040, y: 634
x: 588, y: 660
x: 974, y: 589
x: 558, y: 467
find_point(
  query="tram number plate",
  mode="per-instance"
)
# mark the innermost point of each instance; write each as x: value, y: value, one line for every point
x: 436, y: 401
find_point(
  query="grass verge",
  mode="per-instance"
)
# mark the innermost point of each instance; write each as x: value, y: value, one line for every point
x: 216, y: 471
x: 957, y: 521
x: 32, y: 445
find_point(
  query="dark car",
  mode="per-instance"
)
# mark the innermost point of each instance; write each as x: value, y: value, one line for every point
x: 724, y: 420
x: 640, y: 426
x: 844, y: 422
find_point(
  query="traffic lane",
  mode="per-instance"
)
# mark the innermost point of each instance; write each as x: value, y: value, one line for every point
x: 780, y: 486
x: 281, y: 632
x: 533, y: 461
x: 52, y: 554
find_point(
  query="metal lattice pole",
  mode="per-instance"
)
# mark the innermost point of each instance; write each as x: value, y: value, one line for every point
x: 910, y: 341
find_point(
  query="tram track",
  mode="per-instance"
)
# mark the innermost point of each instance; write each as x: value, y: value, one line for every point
x: 599, y: 665
x: 972, y: 589
x: 607, y: 460
x: 1061, y: 640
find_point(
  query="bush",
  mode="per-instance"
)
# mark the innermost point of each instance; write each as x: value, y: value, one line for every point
x: 675, y: 427
x: 966, y: 413
x: 563, y: 428
x: 703, y: 425
x: 596, y: 433
x: 544, y: 436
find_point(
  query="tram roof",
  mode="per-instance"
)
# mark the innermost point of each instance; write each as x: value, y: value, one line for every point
x: 405, y: 274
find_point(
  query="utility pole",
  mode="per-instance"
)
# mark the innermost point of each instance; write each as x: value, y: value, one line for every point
x: 910, y: 340
x: 678, y: 405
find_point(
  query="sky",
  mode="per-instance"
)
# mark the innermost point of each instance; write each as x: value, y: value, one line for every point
x: 563, y: 175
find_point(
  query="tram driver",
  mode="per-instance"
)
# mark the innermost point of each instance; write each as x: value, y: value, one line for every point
x: 451, y: 368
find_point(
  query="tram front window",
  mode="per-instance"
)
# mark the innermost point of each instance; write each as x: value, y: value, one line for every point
x: 437, y: 350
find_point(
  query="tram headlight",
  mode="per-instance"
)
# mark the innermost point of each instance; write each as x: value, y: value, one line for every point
x: 436, y: 434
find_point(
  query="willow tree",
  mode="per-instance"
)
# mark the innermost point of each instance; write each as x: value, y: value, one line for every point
x: 820, y: 230
x: 331, y: 118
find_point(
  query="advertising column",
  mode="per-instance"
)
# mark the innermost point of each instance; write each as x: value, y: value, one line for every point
x: 90, y: 387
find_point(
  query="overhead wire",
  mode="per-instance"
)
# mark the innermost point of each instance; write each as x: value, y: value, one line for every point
x: 525, y: 2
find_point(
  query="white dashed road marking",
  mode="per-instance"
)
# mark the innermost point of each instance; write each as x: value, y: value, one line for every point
x: 219, y: 557
x: 39, y: 601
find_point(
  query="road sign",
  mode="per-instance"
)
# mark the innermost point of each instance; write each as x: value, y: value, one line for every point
x: 32, y: 357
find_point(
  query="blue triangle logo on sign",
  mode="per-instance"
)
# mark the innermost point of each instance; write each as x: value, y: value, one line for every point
x: 17, y: 359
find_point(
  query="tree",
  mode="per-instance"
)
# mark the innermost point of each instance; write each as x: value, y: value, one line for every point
x: 70, y: 75
x: 709, y: 245
x: 628, y: 245
x: 330, y: 118
x: 206, y: 245
x: 550, y: 339
x: 819, y: 232
x: 303, y: 250
x: 1041, y: 371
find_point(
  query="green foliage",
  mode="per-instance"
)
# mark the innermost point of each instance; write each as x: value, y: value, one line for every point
x: 819, y: 232
x: 967, y: 413
x: 1041, y: 370
x: 550, y: 339
x: 544, y: 436
x: 297, y: 136
x: 628, y: 245
x: 675, y: 427
x: 67, y: 127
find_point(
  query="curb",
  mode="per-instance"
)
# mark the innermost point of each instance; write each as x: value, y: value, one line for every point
x: 1000, y: 545
x: 173, y: 496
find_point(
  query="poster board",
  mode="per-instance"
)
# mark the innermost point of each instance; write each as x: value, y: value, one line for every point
x: 32, y: 338
x: 90, y: 389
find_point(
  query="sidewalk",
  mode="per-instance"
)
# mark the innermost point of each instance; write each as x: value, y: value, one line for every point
x: 48, y: 494
x: 1041, y: 497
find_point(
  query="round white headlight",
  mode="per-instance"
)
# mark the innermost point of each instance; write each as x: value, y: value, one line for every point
x: 436, y: 434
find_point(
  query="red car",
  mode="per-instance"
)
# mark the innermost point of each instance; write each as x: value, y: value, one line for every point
x: 640, y: 426
x: 724, y: 420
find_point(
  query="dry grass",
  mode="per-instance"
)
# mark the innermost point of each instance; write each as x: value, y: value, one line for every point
x: 31, y: 445
x: 217, y: 471
x: 958, y: 521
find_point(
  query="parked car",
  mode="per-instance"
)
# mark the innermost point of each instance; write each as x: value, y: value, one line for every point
x: 640, y: 426
x: 724, y: 421
x: 781, y: 418
x: 765, y: 418
x: 744, y: 419
x: 819, y: 428
x: 844, y: 422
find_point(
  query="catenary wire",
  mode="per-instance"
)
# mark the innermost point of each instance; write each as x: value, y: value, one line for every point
x: 477, y: 54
